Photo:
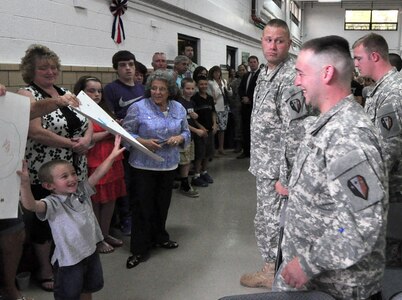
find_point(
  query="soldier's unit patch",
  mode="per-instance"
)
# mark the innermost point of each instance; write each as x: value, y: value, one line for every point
x: 296, y: 105
x: 359, y: 187
x: 387, y: 122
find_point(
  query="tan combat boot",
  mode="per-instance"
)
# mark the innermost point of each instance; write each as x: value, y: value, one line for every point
x: 263, y: 278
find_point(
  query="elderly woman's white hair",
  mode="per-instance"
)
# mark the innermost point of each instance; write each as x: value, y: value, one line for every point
x: 162, y: 75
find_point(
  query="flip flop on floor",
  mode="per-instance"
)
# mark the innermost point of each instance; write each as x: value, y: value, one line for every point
x: 46, y: 284
x: 104, y: 248
x: 113, y: 241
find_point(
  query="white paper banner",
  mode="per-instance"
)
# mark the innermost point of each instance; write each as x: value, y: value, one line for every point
x: 14, y: 122
x: 92, y: 110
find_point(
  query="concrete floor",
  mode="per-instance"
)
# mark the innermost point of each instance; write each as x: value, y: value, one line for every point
x: 217, y: 245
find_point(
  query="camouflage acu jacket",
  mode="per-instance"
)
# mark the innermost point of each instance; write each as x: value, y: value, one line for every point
x: 278, y: 110
x: 384, y: 107
x: 336, y: 215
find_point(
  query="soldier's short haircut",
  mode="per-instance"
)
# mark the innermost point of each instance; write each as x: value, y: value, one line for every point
x: 279, y: 23
x: 336, y: 48
x: 373, y: 42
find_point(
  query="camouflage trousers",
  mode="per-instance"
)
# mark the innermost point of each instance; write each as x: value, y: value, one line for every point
x: 266, y: 221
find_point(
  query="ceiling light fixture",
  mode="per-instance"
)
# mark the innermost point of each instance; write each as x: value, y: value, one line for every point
x: 329, y: 0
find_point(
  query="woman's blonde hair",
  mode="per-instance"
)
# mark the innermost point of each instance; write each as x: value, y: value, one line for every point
x: 34, y: 53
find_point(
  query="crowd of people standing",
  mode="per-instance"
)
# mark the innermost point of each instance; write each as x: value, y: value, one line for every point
x: 182, y: 132
x: 327, y: 170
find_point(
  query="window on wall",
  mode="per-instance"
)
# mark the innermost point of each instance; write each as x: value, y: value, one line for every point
x: 371, y: 19
x: 185, y: 40
x: 231, y: 53
x: 295, y: 13
x: 278, y: 3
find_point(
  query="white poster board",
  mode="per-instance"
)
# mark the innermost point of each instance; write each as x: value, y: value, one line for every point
x: 93, y: 111
x: 14, y: 122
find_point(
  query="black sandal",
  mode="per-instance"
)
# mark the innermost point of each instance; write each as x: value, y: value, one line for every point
x: 168, y: 245
x: 132, y: 261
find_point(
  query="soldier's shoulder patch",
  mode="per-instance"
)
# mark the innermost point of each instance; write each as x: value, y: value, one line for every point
x: 357, y: 180
x: 295, y: 102
x: 358, y: 186
x: 388, y: 121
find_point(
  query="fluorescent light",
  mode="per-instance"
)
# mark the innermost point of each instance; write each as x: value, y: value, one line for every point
x: 329, y: 0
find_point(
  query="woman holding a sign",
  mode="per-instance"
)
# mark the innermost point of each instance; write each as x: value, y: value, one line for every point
x: 61, y: 134
x: 161, y: 126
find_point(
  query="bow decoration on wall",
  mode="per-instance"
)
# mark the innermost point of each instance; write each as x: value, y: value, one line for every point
x: 117, y: 8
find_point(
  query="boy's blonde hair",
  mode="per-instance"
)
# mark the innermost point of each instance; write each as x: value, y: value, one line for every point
x: 45, y: 171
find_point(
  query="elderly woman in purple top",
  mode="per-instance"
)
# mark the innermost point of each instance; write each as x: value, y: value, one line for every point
x: 160, y: 124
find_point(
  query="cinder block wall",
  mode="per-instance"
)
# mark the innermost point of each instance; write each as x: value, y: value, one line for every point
x: 10, y: 75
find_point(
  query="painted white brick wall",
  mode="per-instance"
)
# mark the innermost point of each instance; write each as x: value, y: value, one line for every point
x: 82, y: 36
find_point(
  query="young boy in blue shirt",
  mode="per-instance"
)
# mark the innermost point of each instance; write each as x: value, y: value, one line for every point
x: 75, y: 230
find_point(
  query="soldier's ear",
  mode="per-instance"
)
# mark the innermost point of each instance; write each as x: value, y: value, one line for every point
x: 328, y: 73
x: 374, y: 56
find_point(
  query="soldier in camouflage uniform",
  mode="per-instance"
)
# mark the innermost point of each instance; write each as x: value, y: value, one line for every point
x: 334, y: 235
x: 384, y: 107
x: 275, y: 128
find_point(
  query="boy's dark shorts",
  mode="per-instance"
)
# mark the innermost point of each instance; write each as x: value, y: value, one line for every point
x: 84, y: 277
x: 204, y: 146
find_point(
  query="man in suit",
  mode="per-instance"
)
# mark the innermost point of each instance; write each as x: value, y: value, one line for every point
x: 246, y: 91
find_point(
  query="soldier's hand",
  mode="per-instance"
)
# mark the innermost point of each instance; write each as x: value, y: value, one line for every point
x: 280, y: 189
x: 293, y: 274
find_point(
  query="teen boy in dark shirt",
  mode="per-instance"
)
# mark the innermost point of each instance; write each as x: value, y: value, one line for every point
x: 204, y: 146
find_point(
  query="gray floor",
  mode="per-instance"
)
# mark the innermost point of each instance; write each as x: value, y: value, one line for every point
x: 217, y: 245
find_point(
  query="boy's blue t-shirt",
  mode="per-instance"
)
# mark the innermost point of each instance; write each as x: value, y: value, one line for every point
x: 120, y: 96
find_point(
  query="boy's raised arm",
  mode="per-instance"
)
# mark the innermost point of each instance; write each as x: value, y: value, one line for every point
x: 107, y: 163
x: 27, y: 199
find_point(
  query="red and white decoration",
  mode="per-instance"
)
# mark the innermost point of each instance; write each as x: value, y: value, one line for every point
x: 117, y: 8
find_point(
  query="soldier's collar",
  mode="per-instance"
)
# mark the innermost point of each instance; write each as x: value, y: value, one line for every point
x: 380, y: 81
x: 275, y: 71
x: 325, y: 118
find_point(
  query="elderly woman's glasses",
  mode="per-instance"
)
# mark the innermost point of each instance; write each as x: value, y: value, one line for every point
x: 158, y: 88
